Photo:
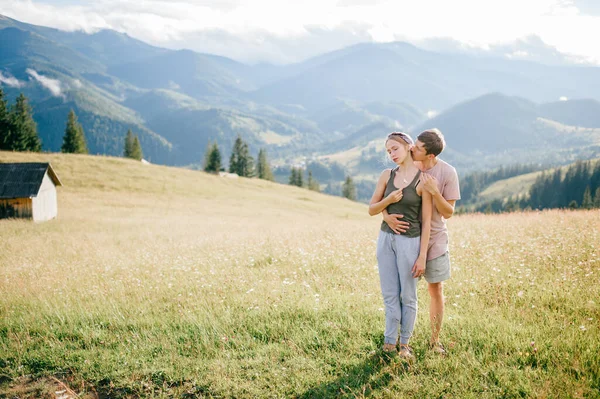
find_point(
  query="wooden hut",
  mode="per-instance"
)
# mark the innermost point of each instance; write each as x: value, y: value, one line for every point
x: 28, y: 190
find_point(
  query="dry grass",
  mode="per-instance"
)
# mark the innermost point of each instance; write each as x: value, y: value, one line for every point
x: 163, y: 282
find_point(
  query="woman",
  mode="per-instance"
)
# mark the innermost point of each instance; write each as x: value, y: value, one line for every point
x: 401, y: 257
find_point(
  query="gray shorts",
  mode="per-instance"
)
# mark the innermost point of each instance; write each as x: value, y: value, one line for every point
x: 438, y: 269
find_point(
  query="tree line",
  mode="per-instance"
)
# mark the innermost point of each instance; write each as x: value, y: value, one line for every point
x: 240, y: 161
x: 18, y: 131
x: 576, y: 187
x: 474, y: 183
x: 243, y: 164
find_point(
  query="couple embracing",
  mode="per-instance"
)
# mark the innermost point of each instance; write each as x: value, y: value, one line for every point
x: 415, y: 198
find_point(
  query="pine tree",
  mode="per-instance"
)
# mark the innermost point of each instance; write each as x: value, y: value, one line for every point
x: 313, y: 185
x: 510, y: 205
x: 128, y: 149
x: 263, y: 168
x: 241, y: 162
x: 212, y: 159
x: 137, y: 149
x: 586, y: 202
x: 597, y: 198
x: 554, y: 195
x: 595, y: 178
x: 133, y: 148
x: 74, y: 138
x: 299, y: 178
x: 5, y: 128
x: 349, y: 189
x: 24, y: 134
x: 293, y: 177
x: 296, y: 177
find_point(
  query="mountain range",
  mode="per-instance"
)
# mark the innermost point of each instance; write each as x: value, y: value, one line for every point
x: 491, y: 109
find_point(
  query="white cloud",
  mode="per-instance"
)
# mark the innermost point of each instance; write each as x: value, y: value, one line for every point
x: 432, y: 114
x: 563, y: 98
x: 10, y: 81
x: 287, y: 27
x: 518, y: 54
x: 51, y: 84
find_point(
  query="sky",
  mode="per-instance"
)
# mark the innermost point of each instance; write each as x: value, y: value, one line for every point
x: 281, y: 31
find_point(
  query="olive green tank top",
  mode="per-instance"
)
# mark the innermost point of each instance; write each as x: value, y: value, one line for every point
x: 409, y: 205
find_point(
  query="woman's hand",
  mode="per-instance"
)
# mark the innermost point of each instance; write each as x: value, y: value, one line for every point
x: 395, y: 196
x: 418, y: 269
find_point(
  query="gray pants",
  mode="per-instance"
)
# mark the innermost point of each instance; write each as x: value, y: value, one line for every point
x: 396, y: 255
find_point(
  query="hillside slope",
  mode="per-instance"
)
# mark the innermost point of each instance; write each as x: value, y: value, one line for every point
x: 514, y: 187
x: 115, y: 183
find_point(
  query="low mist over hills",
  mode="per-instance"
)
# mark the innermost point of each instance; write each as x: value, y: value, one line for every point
x: 492, y: 110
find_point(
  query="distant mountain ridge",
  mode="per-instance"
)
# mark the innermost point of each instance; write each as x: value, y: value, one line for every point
x: 498, y: 122
x: 178, y: 100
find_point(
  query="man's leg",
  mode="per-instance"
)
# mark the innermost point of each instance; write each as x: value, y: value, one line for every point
x: 436, y: 272
x: 436, y: 309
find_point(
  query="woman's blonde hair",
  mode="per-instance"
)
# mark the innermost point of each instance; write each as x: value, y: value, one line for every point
x: 400, y: 137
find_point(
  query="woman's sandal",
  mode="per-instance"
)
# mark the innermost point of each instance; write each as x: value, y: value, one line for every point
x: 389, y: 348
x: 406, y: 353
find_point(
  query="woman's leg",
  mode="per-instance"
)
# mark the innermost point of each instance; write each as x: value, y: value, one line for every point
x: 407, y: 252
x: 390, y: 285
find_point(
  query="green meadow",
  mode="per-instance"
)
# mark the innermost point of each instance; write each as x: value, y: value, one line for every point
x: 169, y: 283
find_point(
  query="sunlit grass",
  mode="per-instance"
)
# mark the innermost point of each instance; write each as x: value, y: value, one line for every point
x: 162, y: 282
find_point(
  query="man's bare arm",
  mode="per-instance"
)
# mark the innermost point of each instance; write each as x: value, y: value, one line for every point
x: 395, y: 222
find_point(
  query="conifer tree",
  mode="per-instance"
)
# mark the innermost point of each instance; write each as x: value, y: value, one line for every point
x: 74, y: 138
x: 293, y: 177
x: 595, y: 178
x: 296, y: 177
x: 349, y: 189
x: 5, y: 131
x: 536, y: 191
x: 597, y: 198
x: 128, y: 150
x: 509, y: 206
x: 133, y: 148
x: 554, y: 194
x: 207, y: 151
x: 313, y: 185
x: 137, y: 149
x: 262, y: 166
x: 212, y: 159
x: 241, y: 162
x: 24, y: 136
x: 586, y: 202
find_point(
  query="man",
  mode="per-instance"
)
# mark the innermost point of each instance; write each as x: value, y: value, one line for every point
x: 441, y: 180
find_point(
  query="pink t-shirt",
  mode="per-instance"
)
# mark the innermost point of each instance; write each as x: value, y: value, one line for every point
x: 447, y: 180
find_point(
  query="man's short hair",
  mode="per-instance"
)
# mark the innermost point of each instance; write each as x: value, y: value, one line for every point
x: 433, y: 141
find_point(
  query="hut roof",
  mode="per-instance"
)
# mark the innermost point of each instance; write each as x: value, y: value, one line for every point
x: 23, y: 180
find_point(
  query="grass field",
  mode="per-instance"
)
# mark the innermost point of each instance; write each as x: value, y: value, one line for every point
x: 163, y: 282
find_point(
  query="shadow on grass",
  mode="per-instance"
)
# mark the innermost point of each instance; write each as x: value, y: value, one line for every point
x: 361, y: 380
